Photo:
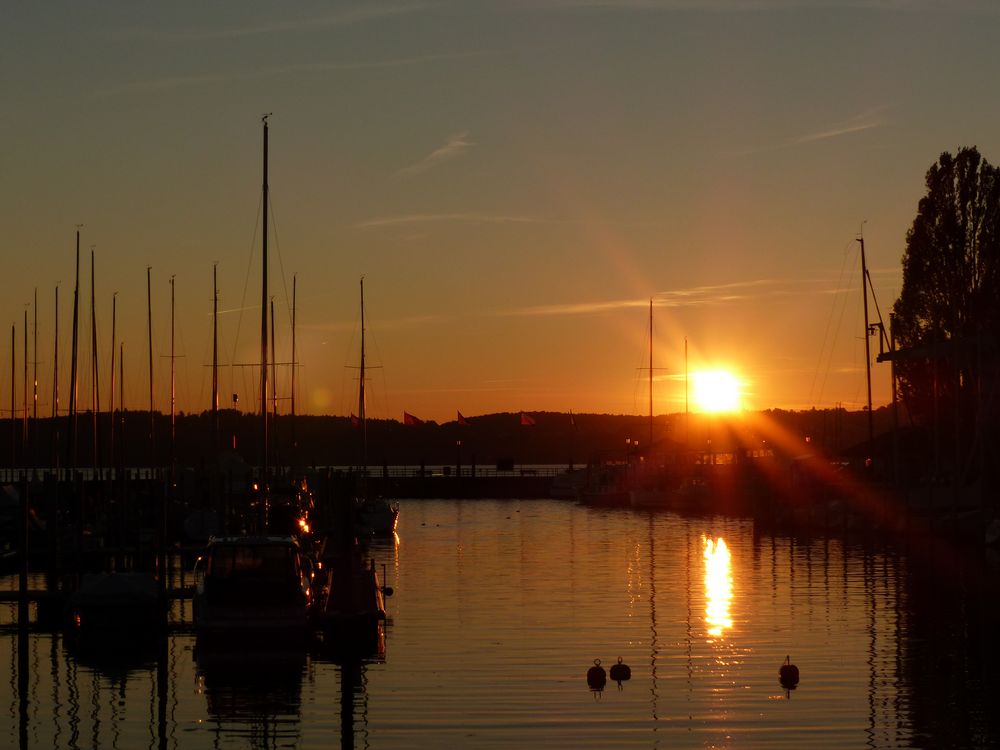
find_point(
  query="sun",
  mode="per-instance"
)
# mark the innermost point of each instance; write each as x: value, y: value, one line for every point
x: 717, y: 391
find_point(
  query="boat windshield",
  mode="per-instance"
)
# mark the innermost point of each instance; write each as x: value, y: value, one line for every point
x: 253, y: 561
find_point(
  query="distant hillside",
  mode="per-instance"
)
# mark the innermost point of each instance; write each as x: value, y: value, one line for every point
x: 554, y: 438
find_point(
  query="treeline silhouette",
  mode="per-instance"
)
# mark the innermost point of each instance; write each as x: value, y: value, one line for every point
x: 490, y: 439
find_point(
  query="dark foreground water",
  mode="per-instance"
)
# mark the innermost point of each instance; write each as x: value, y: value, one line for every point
x: 501, y: 607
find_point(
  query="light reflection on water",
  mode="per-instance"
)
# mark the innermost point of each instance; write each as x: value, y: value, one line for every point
x: 718, y: 586
x: 500, y: 608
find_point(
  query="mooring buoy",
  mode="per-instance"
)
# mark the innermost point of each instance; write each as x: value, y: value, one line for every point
x: 620, y: 672
x: 596, y: 677
x: 788, y: 674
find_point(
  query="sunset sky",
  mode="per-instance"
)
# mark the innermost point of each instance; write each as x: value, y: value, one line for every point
x: 515, y: 180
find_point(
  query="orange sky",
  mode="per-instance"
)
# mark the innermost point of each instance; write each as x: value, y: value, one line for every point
x: 514, y: 181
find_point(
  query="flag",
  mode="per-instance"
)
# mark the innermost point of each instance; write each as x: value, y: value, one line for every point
x: 355, y: 422
x: 527, y: 419
x: 410, y: 419
x: 461, y: 419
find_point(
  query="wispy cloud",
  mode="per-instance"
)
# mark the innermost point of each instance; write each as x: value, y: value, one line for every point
x: 453, y: 148
x: 175, y: 82
x: 382, y: 325
x: 750, y: 6
x: 716, y: 294
x: 343, y: 17
x: 873, y: 118
x: 466, y: 218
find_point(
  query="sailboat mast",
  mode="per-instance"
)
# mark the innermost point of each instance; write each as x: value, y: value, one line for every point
x: 55, y: 361
x: 173, y: 389
x: 868, y: 354
x: 149, y: 337
x: 361, y: 389
x: 111, y: 394
x: 650, y: 374
x: 95, y: 391
x: 215, y: 357
x: 55, y: 388
x: 73, y: 359
x: 274, y: 367
x: 24, y: 396
x: 294, y: 363
x: 34, y: 392
x: 13, y: 413
x: 263, y: 314
x: 687, y: 427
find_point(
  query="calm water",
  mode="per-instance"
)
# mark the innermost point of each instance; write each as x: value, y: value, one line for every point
x: 501, y: 607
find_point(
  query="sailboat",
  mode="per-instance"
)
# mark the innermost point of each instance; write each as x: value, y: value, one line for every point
x: 632, y: 481
x: 376, y: 516
x: 259, y: 582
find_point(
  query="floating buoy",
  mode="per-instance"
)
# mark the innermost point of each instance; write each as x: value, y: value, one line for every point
x: 788, y: 674
x: 620, y: 672
x: 596, y: 677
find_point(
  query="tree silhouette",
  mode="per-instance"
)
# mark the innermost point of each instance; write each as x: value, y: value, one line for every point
x: 949, y: 307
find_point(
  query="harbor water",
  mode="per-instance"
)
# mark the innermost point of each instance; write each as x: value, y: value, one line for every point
x: 501, y: 607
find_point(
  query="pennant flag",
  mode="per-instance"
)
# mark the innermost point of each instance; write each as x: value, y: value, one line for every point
x: 461, y: 419
x: 527, y: 419
x: 355, y: 422
x: 410, y: 419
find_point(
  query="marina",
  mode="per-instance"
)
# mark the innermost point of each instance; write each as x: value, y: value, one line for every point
x: 500, y: 608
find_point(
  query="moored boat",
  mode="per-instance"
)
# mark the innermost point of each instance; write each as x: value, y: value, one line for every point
x: 252, y: 584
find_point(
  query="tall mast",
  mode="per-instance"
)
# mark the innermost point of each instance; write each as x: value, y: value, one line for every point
x: 73, y: 359
x: 55, y: 361
x: 263, y: 314
x: 173, y: 389
x: 13, y: 413
x: 121, y: 402
x: 274, y: 367
x: 215, y: 357
x: 274, y: 383
x: 34, y: 377
x: 149, y: 341
x: 868, y: 355
x: 55, y: 389
x: 361, y: 390
x: 111, y: 395
x: 95, y: 390
x: 24, y: 396
x: 687, y: 427
x: 294, y: 443
x: 650, y: 374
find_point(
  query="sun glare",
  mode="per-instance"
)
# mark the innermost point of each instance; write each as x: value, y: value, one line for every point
x: 716, y: 391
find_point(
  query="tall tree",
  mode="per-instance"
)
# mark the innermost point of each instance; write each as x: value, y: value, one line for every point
x: 949, y: 307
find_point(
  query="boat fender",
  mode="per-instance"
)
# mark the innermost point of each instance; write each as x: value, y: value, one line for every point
x: 596, y: 677
x: 620, y: 672
x: 788, y: 674
x: 387, y: 590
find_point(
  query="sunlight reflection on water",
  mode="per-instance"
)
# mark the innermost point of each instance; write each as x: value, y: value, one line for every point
x: 501, y: 606
x: 718, y: 586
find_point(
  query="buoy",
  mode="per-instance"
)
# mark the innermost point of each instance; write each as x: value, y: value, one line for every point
x: 620, y: 672
x: 788, y: 674
x: 596, y: 677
